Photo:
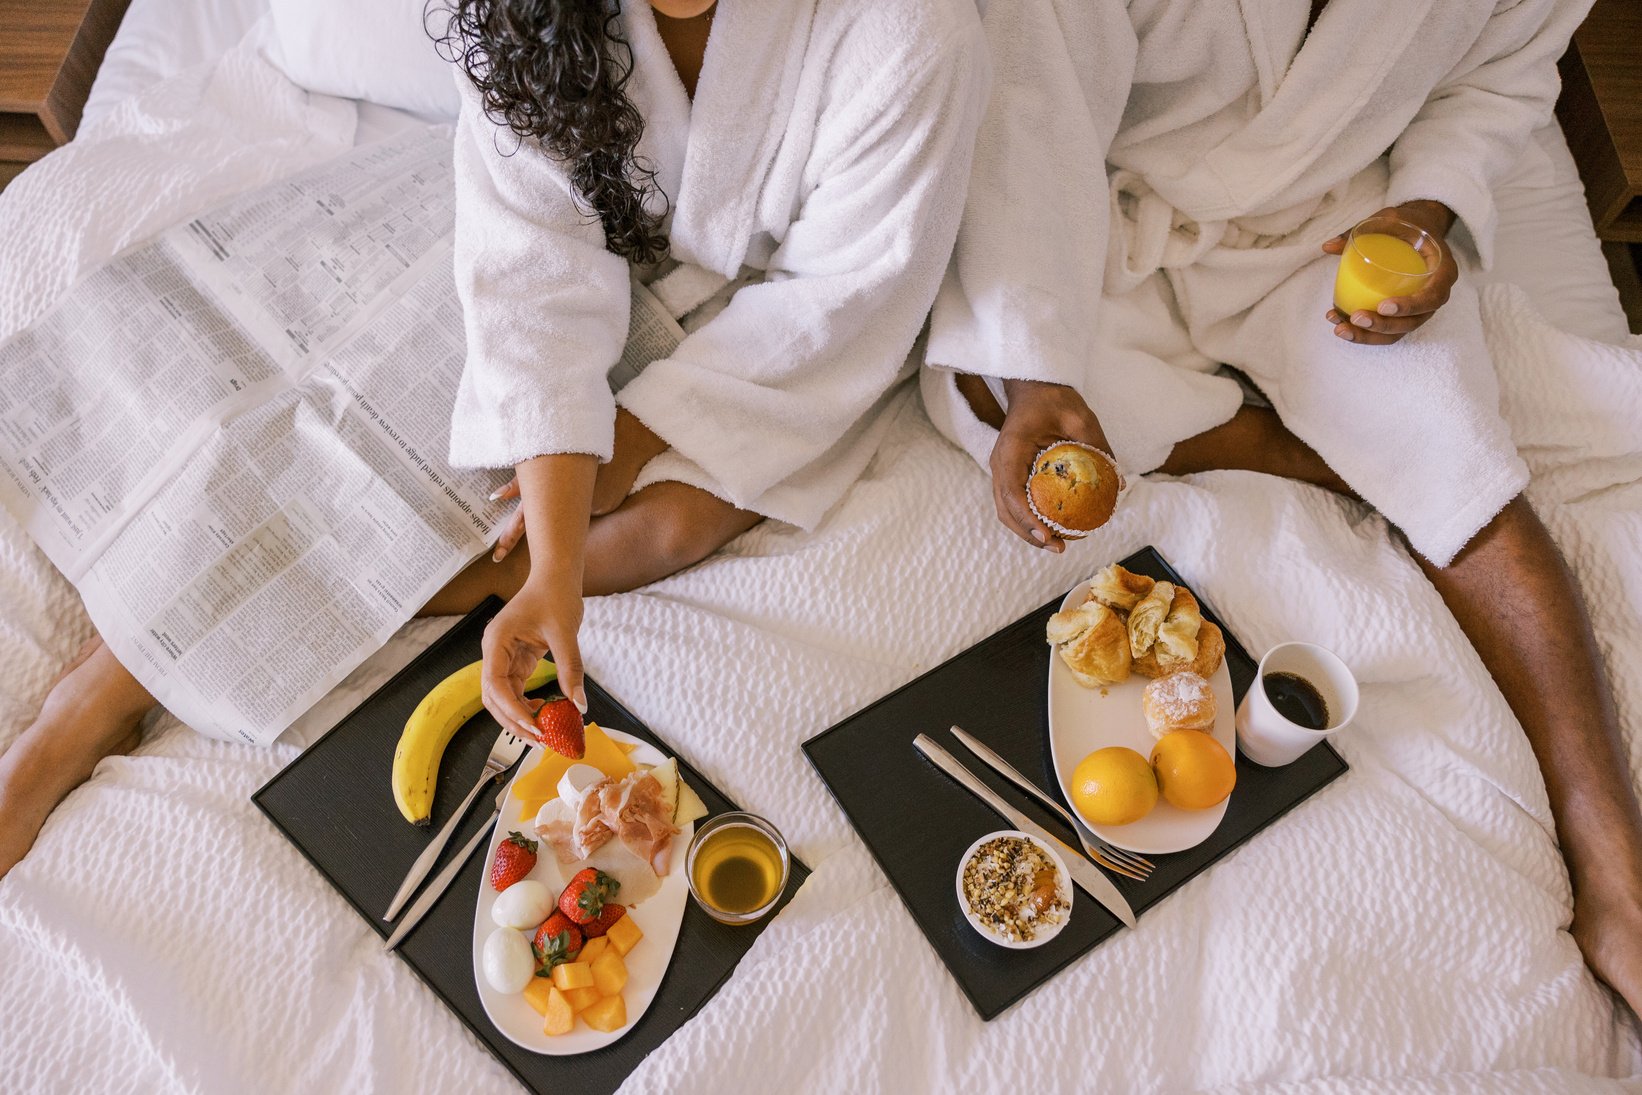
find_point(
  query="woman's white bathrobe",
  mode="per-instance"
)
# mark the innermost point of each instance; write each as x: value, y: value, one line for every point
x: 1235, y: 144
x: 816, y: 184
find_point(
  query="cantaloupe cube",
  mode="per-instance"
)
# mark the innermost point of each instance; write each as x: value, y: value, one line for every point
x: 592, y: 949
x: 582, y: 999
x: 609, y: 1014
x: 572, y: 975
x: 609, y: 974
x: 624, y: 935
x: 535, y: 994
x: 560, y: 1018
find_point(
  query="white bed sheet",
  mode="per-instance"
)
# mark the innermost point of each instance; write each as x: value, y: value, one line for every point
x: 163, y: 937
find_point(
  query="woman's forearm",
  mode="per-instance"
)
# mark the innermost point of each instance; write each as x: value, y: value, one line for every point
x: 556, y: 493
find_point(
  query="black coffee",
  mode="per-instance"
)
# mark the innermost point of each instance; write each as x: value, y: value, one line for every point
x: 1297, y: 700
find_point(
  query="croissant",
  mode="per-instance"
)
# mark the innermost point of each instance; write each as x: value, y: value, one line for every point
x: 1121, y: 589
x: 1093, y: 644
x: 1177, y: 637
x: 1148, y: 616
x: 1211, y: 650
x: 1067, y: 625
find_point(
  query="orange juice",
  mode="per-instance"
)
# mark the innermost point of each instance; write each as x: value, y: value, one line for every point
x: 1376, y: 266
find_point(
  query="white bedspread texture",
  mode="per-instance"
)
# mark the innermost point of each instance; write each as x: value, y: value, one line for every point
x: 1406, y: 927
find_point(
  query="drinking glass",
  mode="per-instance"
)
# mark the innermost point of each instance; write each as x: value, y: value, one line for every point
x: 1384, y: 257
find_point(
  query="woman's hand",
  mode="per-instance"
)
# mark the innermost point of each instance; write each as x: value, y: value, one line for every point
x: 543, y: 618
x: 635, y: 447
x: 1039, y: 415
x: 1397, y: 316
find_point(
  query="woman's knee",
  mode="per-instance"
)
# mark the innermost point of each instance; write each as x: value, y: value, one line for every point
x: 686, y: 524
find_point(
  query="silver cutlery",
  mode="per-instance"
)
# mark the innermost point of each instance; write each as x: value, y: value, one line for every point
x: 442, y: 881
x: 503, y: 753
x: 1083, y: 873
x: 1113, y: 858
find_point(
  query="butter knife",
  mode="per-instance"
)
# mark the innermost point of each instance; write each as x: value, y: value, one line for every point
x: 1083, y: 873
x: 443, y: 879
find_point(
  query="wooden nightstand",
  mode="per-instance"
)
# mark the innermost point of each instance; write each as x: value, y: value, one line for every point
x: 49, y: 53
x: 1601, y: 114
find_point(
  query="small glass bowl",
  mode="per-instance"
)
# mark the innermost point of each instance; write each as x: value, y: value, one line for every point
x: 724, y: 821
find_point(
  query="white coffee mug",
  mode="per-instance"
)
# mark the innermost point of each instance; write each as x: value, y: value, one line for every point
x: 1267, y: 737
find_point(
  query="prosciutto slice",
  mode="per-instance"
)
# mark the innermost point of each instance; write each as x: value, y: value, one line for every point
x: 579, y: 823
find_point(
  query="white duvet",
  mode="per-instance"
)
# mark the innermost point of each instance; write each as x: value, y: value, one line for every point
x: 1404, y: 930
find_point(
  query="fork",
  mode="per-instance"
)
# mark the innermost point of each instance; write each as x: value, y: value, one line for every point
x: 1114, y: 859
x: 504, y: 752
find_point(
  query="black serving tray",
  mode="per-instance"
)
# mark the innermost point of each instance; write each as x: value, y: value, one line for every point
x: 917, y: 822
x: 334, y: 803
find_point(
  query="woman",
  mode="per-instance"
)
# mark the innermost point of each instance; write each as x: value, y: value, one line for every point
x: 788, y: 176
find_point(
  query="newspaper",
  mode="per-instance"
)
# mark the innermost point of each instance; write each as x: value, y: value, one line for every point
x: 233, y: 439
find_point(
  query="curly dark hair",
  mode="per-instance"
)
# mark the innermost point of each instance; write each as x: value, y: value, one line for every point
x: 555, y: 71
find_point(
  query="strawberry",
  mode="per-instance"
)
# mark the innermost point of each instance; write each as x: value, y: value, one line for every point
x: 560, y: 726
x: 611, y: 913
x: 514, y: 859
x: 584, y: 899
x: 557, y: 940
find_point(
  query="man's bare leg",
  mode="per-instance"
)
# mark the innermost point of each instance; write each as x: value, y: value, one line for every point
x: 94, y: 708
x: 1516, y: 601
x: 1523, y: 611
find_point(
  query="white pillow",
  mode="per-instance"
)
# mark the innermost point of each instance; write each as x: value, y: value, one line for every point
x: 378, y: 50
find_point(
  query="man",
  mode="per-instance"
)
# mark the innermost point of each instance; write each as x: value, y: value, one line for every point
x: 1161, y: 188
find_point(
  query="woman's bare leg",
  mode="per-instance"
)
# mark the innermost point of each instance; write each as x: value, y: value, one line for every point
x: 658, y: 531
x: 1516, y: 601
x: 92, y: 711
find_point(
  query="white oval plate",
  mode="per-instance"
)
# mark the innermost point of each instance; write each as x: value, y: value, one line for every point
x: 1082, y: 720
x: 658, y: 916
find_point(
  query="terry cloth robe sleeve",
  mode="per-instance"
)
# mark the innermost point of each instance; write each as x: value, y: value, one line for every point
x: 778, y: 377
x: 1021, y: 296
x: 545, y: 304
x: 1476, y: 122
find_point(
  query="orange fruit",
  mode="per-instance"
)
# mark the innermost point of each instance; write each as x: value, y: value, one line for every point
x: 1193, y: 770
x: 1113, y: 786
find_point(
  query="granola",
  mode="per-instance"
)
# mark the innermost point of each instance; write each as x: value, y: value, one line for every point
x: 1013, y: 888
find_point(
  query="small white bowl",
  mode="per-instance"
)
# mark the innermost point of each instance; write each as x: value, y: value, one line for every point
x: 1063, y: 886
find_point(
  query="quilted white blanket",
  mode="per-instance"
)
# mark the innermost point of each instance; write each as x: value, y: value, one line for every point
x: 1403, y: 930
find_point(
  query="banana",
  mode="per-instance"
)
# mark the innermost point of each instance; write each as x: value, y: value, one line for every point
x: 429, y: 729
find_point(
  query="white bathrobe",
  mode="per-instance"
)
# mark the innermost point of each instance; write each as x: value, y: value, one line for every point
x: 816, y: 184
x: 1240, y: 143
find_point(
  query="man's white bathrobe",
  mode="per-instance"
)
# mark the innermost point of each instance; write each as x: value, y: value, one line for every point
x: 815, y: 183
x: 1235, y: 144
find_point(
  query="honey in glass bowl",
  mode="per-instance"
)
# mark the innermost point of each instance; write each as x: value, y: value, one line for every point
x: 737, y: 867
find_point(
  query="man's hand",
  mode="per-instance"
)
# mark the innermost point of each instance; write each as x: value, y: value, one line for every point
x: 1039, y: 415
x: 1397, y: 316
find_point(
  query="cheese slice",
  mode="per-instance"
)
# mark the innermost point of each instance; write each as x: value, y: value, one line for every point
x: 539, y: 786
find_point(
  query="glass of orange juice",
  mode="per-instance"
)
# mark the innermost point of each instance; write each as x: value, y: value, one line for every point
x: 1384, y: 257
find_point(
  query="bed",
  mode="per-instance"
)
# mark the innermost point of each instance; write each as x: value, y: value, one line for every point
x: 1406, y: 929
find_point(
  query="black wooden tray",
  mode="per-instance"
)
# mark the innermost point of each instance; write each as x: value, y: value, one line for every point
x: 917, y: 822
x: 335, y: 804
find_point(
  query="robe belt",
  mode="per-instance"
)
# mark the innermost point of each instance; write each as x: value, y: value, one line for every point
x: 1149, y: 234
